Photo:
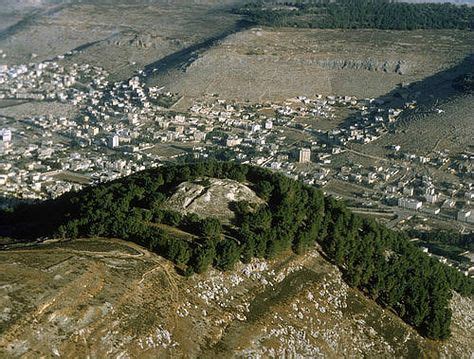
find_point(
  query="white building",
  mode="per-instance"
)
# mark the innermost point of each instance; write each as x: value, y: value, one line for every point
x: 133, y: 118
x: 231, y: 142
x: 6, y: 135
x: 431, y: 210
x: 432, y: 198
x: 469, y: 195
x: 199, y: 136
x: 180, y: 118
x: 409, y: 203
x: 114, y: 141
x: 408, y: 191
x: 466, y: 215
x: 256, y: 127
x: 304, y: 155
x: 449, y: 203
x: 93, y: 131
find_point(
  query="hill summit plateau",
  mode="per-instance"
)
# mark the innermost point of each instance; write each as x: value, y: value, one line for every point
x: 211, y: 197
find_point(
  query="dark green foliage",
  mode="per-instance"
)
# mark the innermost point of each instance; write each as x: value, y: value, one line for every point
x: 264, y: 189
x: 249, y: 245
x: 358, y: 14
x: 203, y: 257
x: 380, y: 262
x: 464, y: 241
x: 172, y: 218
x: 178, y: 251
x: 228, y: 253
x: 205, y: 182
x: 210, y: 228
x: 465, y: 83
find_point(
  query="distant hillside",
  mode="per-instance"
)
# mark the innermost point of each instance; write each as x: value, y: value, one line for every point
x: 358, y: 14
x: 380, y: 262
x: 457, y: 2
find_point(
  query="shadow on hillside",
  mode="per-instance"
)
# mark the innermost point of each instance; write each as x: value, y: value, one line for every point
x: 35, y: 218
x: 439, y: 86
x: 183, y: 58
x: 428, y: 92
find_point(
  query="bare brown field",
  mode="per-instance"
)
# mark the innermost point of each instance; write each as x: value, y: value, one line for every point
x: 29, y: 109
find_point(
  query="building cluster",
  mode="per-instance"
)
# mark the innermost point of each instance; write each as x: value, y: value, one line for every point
x: 5, y: 139
x: 46, y: 156
x: 370, y: 123
x: 126, y: 126
x: 261, y: 133
x: 49, y: 81
x: 122, y: 127
x: 442, y: 199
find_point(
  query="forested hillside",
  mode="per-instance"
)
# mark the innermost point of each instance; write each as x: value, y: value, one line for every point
x: 358, y: 14
x: 380, y: 262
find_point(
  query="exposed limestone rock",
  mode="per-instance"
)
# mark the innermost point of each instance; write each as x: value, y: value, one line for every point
x: 211, y: 197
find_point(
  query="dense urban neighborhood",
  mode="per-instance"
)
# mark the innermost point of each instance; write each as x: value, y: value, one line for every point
x: 125, y: 127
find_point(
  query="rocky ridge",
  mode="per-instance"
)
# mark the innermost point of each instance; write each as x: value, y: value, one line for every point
x: 210, y: 197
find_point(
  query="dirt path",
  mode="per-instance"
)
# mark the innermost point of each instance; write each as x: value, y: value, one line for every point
x: 367, y: 155
x: 75, y: 293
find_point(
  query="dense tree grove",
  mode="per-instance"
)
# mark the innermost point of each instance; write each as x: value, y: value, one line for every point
x: 380, y: 262
x: 446, y: 243
x: 465, y: 83
x: 358, y: 14
x: 465, y: 241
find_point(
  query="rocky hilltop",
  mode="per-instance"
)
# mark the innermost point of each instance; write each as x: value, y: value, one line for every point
x: 211, y: 197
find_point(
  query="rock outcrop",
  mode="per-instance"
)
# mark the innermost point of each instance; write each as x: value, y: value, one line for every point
x: 211, y: 197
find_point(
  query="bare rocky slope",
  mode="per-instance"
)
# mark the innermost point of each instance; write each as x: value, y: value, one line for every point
x: 274, y: 64
x: 210, y: 197
x: 109, y: 298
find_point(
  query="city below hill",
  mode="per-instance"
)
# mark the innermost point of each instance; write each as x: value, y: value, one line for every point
x: 286, y: 270
x: 236, y: 179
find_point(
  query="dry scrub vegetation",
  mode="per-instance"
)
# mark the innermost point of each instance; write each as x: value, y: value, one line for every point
x: 262, y: 64
x: 103, y: 298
